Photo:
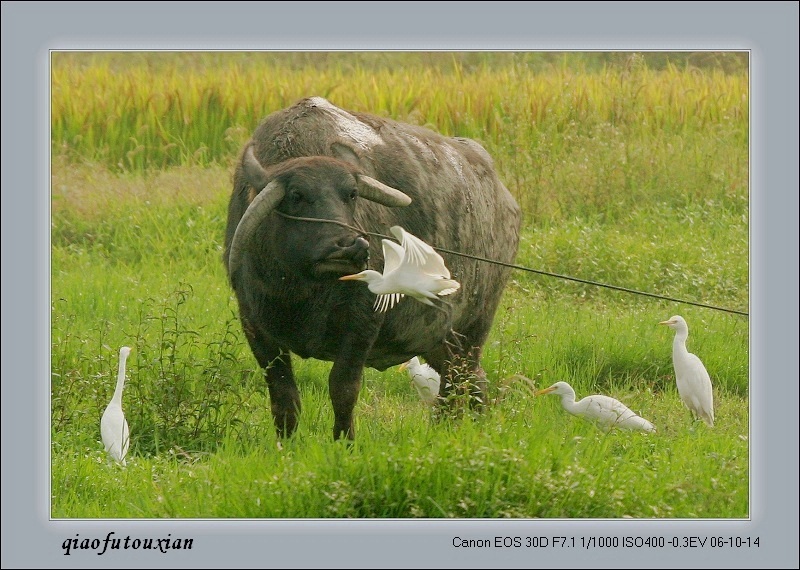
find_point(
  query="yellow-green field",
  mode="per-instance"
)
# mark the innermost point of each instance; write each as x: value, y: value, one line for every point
x: 544, y: 122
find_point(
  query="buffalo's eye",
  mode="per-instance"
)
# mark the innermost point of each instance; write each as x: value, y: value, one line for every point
x: 353, y: 194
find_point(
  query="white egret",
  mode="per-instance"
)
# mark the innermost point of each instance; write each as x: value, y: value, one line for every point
x: 113, y: 425
x: 604, y: 411
x: 412, y: 268
x: 691, y: 376
x: 424, y: 378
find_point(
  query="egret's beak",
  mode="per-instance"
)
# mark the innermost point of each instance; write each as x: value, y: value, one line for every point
x: 403, y: 366
x: 545, y: 391
x: 354, y: 277
x: 667, y: 323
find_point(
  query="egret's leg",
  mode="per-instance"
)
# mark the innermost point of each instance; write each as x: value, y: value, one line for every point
x: 456, y: 344
x: 444, y: 306
x: 453, y: 347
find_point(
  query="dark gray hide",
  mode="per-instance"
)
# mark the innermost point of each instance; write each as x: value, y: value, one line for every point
x: 286, y: 272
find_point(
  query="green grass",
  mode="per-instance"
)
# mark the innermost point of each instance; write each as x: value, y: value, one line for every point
x: 526, y: 459
x: 136, y: 260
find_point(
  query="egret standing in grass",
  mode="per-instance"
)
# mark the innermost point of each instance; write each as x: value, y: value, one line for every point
x: 424, y: 378
x: 113, y: 425
x: 691, y: 376
x: 604, y: 411
x: 412, y: 268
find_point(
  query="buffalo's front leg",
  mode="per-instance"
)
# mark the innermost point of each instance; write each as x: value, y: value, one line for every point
x: 344, y: 384
x: 277, y: 365
x: 283, y: 395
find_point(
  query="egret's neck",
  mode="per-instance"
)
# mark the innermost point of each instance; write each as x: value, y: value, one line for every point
x: 679, y: 342
x: 373, y: 279
x: 568, y: 401
x: 117, y: 398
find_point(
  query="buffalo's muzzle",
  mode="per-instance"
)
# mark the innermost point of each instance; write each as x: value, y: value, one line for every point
x: 350, y: 256
x: 357, y: 251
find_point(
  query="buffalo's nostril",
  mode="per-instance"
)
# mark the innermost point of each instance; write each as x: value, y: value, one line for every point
x: 358, y: 243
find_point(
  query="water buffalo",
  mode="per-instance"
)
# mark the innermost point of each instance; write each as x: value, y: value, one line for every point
x: 314, y: 160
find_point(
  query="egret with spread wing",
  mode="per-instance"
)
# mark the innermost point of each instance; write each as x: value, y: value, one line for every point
x: 113, y: 425
x: 412, y: 268
x: 604, y: 411
x: 691, y: 376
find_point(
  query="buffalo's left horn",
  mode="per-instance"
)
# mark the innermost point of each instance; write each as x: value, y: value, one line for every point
x: 379, y: 192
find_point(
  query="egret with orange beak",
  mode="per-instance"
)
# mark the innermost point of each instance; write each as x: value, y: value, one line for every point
x: 411, y: 268
x: 691, y: 376
x: 604, y: 411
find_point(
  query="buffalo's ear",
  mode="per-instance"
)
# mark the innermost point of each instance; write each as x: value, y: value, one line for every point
x: 347, y: 154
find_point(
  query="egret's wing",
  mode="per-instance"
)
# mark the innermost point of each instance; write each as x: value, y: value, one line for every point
x: 431, y: 373
x: 636, y: 422
x: 417, y: 248
x: 385, y: 302
x: 114, y: 432
x: 448, y: 286
x: 425, y: 380
x: 600, y: 409
x: 420, y: 254
x: 608, y: 411
x: 126, y: 440
x: 426, y: 394
x: 433, y: 385
x: 620, y: 415
x: 392, y: 256
x: 622, y: 411
x: 427, y: 390
x: 419, y: 370
x: 429, y: 380
x: 698, y: 389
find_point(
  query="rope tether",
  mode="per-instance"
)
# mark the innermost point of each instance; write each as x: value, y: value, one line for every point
x: 523, y: 268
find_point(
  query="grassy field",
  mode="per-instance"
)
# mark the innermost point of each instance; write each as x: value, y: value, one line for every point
x: 631, y: 170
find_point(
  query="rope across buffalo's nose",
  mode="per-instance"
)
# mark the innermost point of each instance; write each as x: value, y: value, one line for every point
x: 359, y: 231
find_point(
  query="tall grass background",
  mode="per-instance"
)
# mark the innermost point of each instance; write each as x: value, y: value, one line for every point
x: 631, y: 169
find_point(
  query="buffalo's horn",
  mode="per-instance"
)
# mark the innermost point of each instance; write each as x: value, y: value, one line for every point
x: 379, y: 192
x: 261, y: 205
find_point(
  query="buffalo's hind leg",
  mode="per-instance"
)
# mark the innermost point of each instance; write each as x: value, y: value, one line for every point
x: 458, y: 363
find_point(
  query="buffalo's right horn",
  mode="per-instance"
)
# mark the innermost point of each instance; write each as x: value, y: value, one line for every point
x: 262, y: 204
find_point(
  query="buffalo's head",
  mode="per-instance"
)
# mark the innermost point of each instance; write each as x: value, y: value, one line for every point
x: 316, y: 188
